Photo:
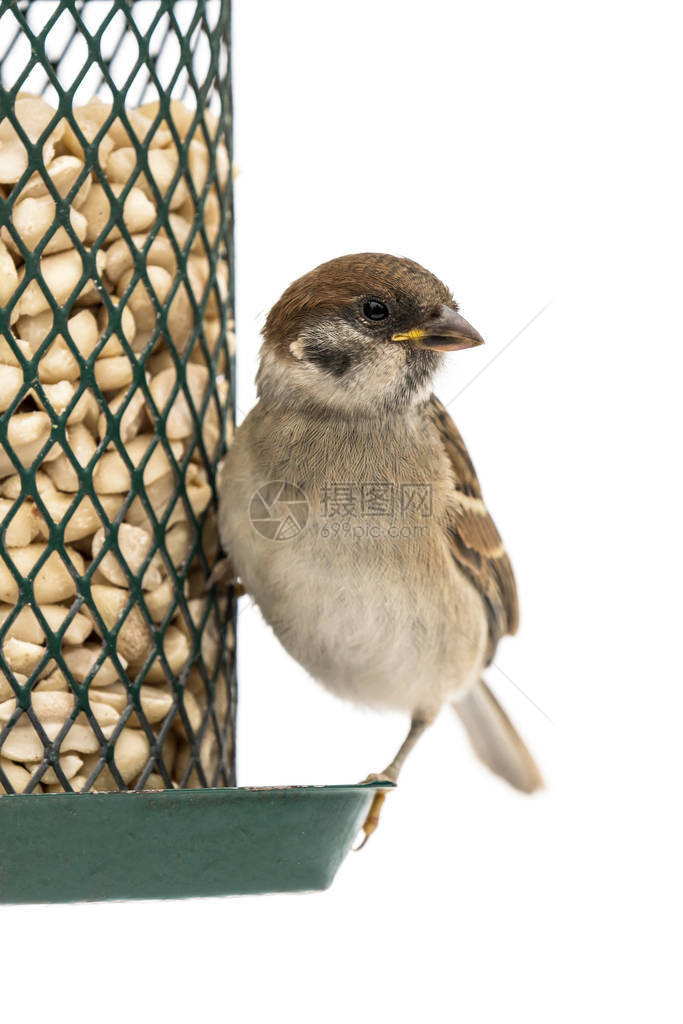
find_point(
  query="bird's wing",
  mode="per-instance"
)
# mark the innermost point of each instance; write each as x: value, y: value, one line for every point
x: 475, y: 542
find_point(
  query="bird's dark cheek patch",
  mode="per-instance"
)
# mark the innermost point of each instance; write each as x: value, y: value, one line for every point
x: 330, y: 360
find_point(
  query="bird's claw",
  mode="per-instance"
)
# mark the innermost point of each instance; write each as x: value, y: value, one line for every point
x: 379, y: 777
x: 372, y: 820
x: 223, y: 575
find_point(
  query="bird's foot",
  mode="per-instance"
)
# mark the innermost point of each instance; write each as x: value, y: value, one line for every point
x: 372, y: 820
x: 223, y: 575
x: 386, y: 776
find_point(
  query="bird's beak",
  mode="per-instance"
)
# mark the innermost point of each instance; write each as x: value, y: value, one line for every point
x: 445, y: 332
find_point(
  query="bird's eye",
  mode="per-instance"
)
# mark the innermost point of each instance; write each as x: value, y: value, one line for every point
x: 373, y: 309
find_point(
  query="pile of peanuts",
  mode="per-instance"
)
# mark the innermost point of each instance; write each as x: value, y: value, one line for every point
x: 29, y: 407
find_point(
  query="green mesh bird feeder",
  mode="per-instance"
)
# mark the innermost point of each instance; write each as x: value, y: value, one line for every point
x: 117, y: 656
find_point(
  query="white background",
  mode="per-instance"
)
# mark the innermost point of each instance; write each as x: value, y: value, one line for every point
x: 525, y: 153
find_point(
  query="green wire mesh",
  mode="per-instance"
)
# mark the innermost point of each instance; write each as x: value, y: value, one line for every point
x: 69, y: 701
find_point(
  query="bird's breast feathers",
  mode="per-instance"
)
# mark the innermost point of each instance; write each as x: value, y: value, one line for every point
x: 350, y: 560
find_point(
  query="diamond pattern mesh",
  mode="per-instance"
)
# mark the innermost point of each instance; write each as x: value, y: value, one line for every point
x: 116, y: 370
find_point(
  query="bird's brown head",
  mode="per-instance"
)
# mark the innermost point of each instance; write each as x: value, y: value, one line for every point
x: 362, y: 333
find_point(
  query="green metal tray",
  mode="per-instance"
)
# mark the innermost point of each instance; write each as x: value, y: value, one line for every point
x: 61, y: 848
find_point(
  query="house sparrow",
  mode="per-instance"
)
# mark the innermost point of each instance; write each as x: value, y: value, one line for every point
x: 352, y: 514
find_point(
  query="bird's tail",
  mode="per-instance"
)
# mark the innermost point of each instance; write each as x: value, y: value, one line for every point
x: 495, y: 740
